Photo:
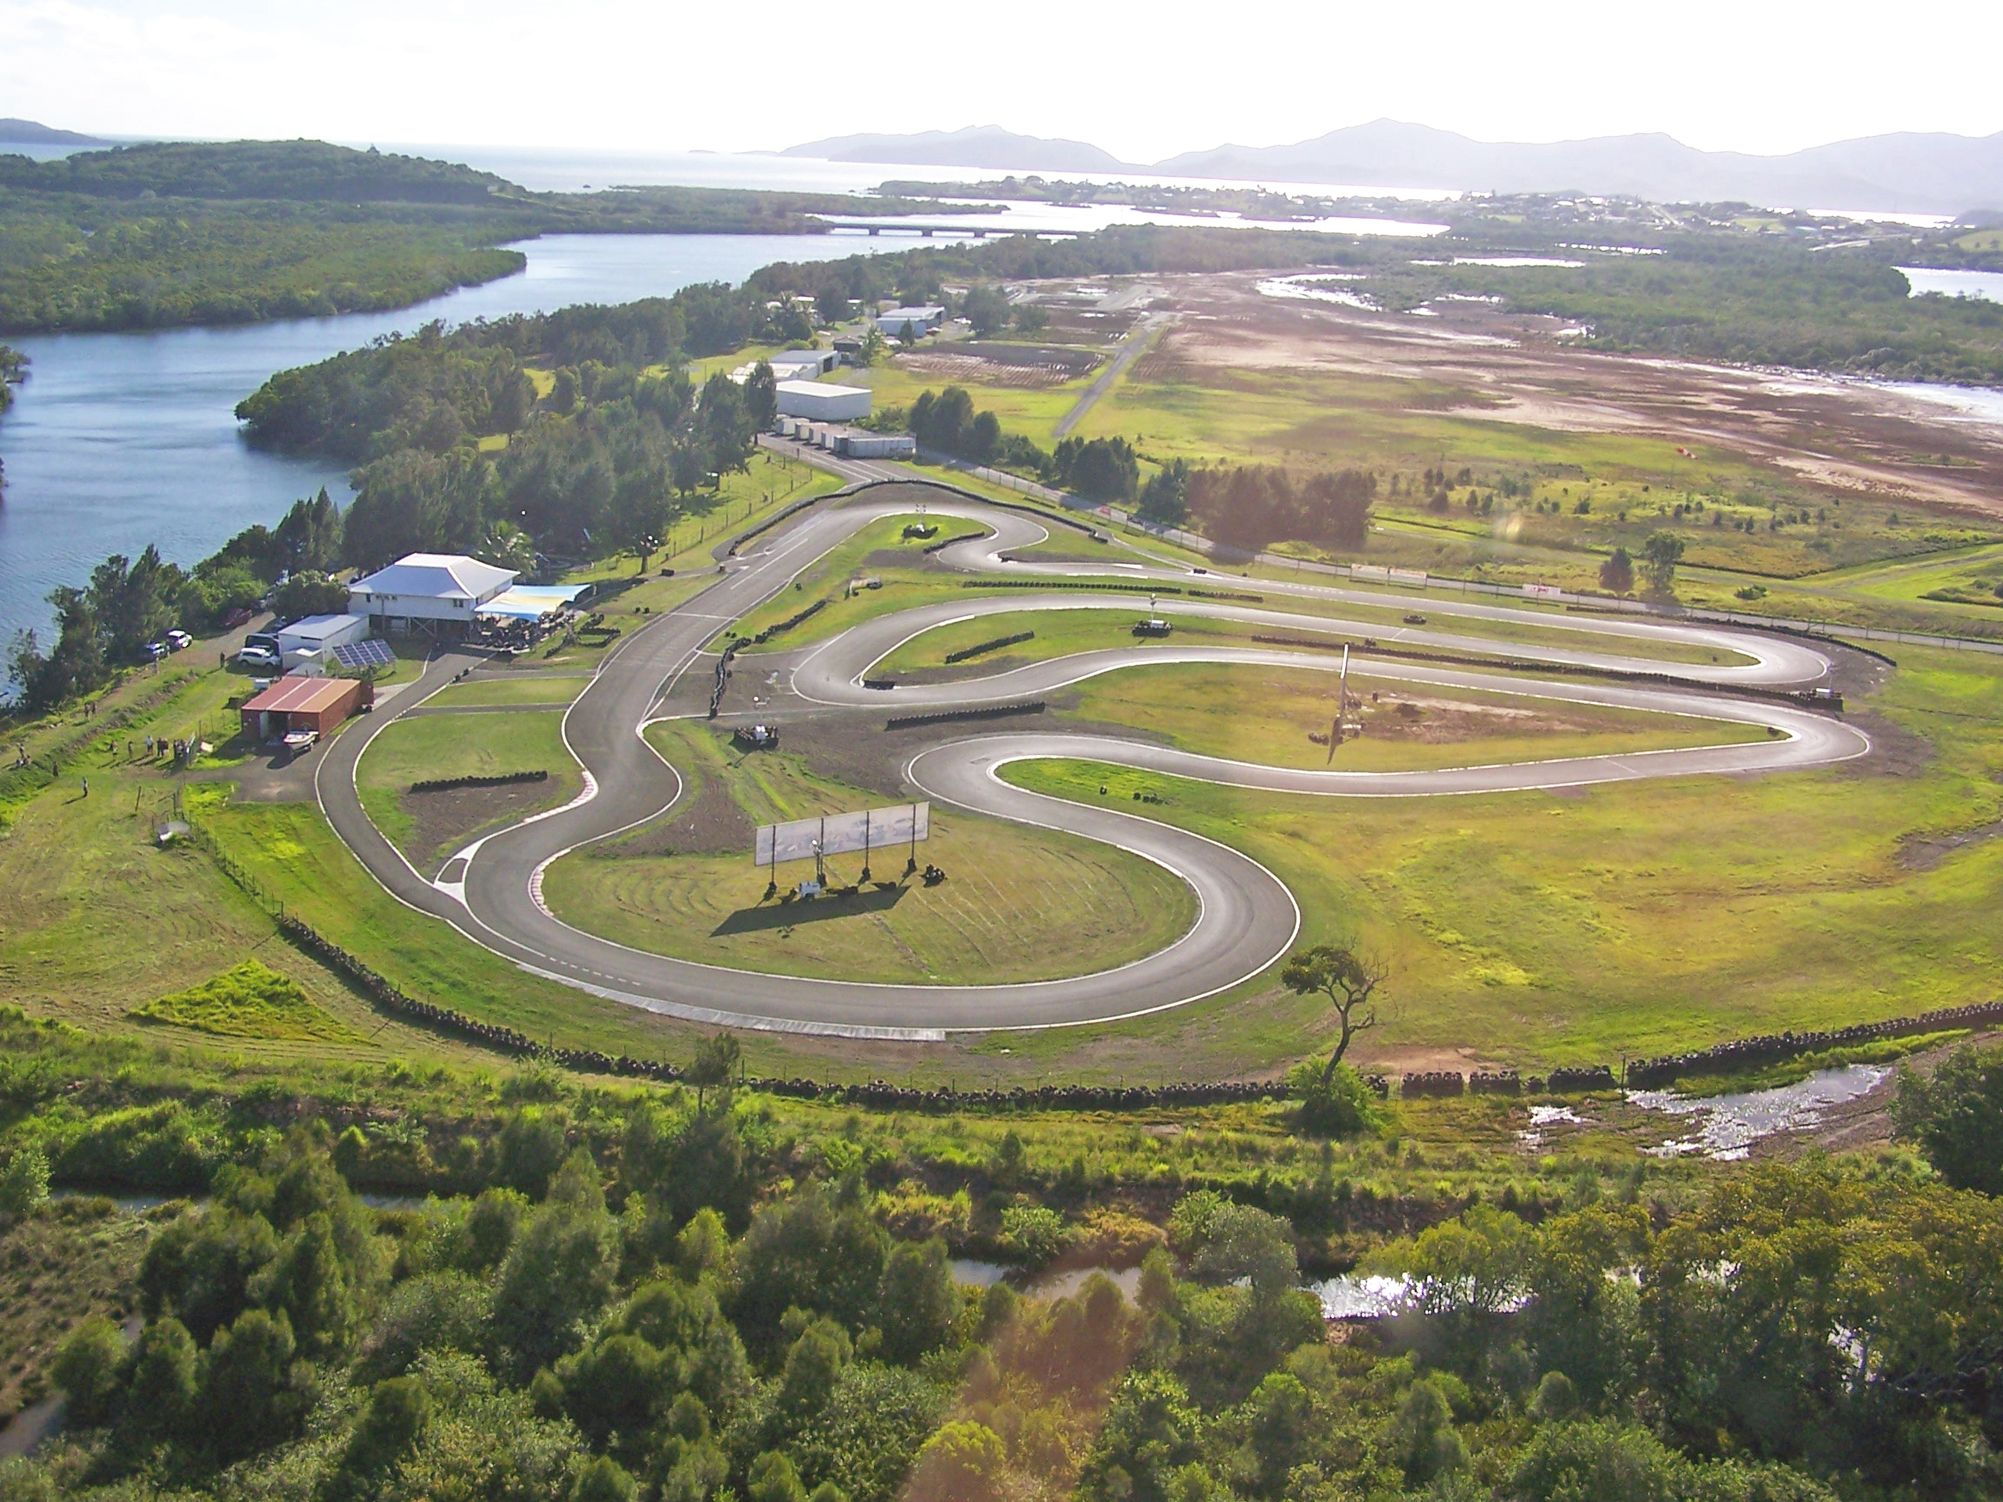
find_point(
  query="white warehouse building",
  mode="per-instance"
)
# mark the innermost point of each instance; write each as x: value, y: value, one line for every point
x: 427, y: 591
x: 316, y: 636
x: 822, y: 402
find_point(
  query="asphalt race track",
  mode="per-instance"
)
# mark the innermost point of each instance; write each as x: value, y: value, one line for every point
x: 1246, y: 917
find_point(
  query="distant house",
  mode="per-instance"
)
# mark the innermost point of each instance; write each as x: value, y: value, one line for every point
x: 436, y: 592
x: 848, y: 349
x: 822, y: 401
x: 906, y: 323
x: 803, y: 364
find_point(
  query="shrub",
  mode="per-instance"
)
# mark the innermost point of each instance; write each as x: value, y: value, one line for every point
x: 1032, y: 1234
x: 1339, y: 1106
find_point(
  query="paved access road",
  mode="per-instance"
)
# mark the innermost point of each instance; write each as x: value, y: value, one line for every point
x: 1246, y: 917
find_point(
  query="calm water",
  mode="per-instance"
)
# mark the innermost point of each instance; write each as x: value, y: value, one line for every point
x: 1986, y: 285
x: 118, y: 440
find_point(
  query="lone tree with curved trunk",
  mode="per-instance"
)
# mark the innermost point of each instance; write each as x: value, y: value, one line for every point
x: 1349, y: 980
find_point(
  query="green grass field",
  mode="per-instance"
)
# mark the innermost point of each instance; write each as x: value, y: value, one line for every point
x: 1265, y: 715
x: 250, y: 1000
x: 429, y: 827
x: 843, y: 566
x: 1583, y: 924
x: 522, y: 688
x: 1018, y: 904
x: 1032, y: 411
x: 1093, y: 625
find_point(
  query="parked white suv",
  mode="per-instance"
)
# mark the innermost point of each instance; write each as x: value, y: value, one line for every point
x: 257, y: 657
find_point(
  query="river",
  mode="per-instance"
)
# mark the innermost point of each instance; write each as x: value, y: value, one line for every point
x: 118, y: 440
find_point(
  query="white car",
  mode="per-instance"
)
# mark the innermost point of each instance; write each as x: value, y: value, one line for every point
x: 257, y: 657
x: 176, y: 640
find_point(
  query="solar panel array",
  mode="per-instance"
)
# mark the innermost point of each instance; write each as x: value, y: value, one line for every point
x: 372, y: 653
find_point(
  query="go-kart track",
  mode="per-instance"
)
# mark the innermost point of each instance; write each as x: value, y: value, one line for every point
x: 1246, y: 918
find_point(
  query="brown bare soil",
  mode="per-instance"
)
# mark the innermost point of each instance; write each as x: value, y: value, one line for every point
x: 1843, y: 436
x: 447, y: 818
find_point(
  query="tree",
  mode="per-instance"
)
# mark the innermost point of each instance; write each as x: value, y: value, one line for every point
x: 248, y: 1399
x: 309, y: 593
x: 87, y: 1366
x: 161, y: 1393
x: 918, y: 1301
x: 1956, y: 1117
x: 831, y: 304
x: 1422, y: 1435
x: 603, y: 1479
x: 715, y: 1065
x: 558, y: 1275
x: 1617, y: 573
x: 1660, y: 555
x: 24, y: 1183
x: 1151, y: 1430
x: 963, y: 1461
x: 772, y: 1478
x: 987, y: 308
x: 1165, y: 498
x: 1281, y: 1424
x: 1350, y: 983
x: 761, y: 396
x: 309, y: 1282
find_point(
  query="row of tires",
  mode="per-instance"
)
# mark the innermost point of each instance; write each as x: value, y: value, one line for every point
x: 497, y: 780
x: 992, y: 644
x: 1772, y: 1048
x: 962, y: 716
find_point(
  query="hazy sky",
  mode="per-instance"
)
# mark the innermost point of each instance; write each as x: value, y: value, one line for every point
x: 1143, y: 81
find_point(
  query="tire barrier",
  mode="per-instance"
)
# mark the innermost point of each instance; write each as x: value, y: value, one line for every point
x: 1771, y: 1048
x: 1495, y: 1082
x: 1038, y: 512
x: 961, y: 716
x: 791, y: 621
x: 1825, y: 636
x: 1226, y: 594
x: 784, y: 514
x: 1571, y: 1081
x: 499, y: 780
x: 946, y: 542
x: 722, y: 679
x: 993, y: 644
x: 1430, y: 1082
x: 1111, y: 587
x: 883, y: 685
x: 1804, y: 697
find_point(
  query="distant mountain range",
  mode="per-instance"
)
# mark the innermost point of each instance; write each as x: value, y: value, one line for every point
x: 1908, y: 172
x: 34, y: 133
x: 975, y: 146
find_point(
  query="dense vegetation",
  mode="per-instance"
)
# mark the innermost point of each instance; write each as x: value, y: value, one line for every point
x: 676, y: 1294
x: 174, y: 233
x: 107, y: 623
x: 76, y: 263
x: 1730, y: 296
x: 1248, y: 508
x: 13, y: 370
x: 946, y: 422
